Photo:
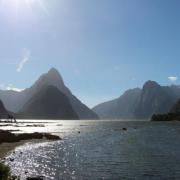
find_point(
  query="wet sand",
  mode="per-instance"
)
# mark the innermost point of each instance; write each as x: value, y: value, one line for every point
x: 6, y: 148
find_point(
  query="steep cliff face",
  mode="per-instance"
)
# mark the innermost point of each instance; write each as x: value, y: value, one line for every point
x: 140, y: 103
x: 49, y: 103
x: 153, y: 99
x: 172, y: 115
x: 176, y: 107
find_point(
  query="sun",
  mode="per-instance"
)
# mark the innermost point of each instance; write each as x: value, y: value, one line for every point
x: 17, y: 5
x: 20, y: 2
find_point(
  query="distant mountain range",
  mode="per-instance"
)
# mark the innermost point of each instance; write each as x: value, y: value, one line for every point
x: 49, y: 98
x: 34, y: 101
x: 140, y: 103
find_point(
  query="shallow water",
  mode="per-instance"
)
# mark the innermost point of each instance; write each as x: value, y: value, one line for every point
x: 102, y: 150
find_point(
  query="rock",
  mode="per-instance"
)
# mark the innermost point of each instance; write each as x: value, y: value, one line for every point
x: 124, y: 129
x: 6, y: 136
x: 15, y: 178
x: 51, y: 137
x: 35, y: 178
x: 11, y: 159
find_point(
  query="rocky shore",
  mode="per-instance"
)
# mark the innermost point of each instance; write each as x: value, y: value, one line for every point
x: 8, y: 141
x: 8, y: 137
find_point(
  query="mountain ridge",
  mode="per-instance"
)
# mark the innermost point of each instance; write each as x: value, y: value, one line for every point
x: 14, y: 101
x: 152, y: 98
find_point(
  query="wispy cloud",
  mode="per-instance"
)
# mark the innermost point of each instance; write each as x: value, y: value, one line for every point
x: 14, y: 89
x: 173, y: 78
x: 25, y: 59
x: 11, y: 87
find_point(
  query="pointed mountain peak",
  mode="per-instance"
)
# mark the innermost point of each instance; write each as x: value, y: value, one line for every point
x: 53, y: 70
x: 52, y: 77
x: 54, y: 74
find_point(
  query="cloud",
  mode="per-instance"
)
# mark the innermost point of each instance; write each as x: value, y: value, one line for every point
x: 173, y: 78
x: 12, y: 88
x: 25, y: 59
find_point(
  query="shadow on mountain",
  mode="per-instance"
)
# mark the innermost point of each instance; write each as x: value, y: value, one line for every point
x: 19, y: 101
x: 140, y: 103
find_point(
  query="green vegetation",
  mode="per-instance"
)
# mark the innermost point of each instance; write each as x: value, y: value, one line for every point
x: 4, y: 172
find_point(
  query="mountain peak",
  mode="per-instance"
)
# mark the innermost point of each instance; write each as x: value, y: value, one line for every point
x: 53, y: 71
x: 150, y: 84
x: 54, y: 75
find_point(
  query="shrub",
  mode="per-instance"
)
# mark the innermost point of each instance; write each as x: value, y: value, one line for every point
x: 4, y: 172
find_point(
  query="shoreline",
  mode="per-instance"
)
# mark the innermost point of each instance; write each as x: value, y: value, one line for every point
x: 8, y: 148
x: 9, y: 141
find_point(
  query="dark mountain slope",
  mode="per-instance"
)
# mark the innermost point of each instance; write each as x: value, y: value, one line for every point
x: 48, y: 103
x: 14, y: 101
x: 140, y: 104
x: 154, y: 99
x: 122, y: 107
x: 3, y: 111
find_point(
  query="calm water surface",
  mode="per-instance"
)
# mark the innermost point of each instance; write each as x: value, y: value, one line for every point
x: 102, y: 150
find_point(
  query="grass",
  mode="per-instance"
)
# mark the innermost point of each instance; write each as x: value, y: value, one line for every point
x: 4, y: 172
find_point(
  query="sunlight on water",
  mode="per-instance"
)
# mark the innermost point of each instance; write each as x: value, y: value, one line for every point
x: 101, y: 150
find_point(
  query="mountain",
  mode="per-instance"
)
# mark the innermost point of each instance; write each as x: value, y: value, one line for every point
x: 140, y: 103
x: 48, y: 103
x: 3, y: 111
x: 172, y: 115
x: 154, y: 99
x: 14, y: 101
x: 122, y: 107
x: 176, y: 107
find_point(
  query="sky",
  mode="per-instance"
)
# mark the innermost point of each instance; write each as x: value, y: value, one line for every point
x: 100, y: 47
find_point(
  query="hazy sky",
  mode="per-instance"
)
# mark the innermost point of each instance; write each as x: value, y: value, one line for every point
x: 100, y: 47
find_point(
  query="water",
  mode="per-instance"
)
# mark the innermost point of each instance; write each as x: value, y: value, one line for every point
x: 102, y: 150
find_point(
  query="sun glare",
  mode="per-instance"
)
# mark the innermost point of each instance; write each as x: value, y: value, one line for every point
x: 20, y: 2
x: 17, y: 5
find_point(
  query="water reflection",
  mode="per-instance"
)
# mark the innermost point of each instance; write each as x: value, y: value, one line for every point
x: 103, y: 150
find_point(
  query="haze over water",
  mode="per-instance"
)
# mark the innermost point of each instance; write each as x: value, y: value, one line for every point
x: 102, y: 150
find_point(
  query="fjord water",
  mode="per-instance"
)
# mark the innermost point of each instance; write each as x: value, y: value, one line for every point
x: 102, y: 150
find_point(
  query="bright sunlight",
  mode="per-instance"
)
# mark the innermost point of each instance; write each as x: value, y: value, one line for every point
x: 17, y: 5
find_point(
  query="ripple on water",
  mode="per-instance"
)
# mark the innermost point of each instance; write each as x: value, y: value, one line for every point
x: 104, y: 151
